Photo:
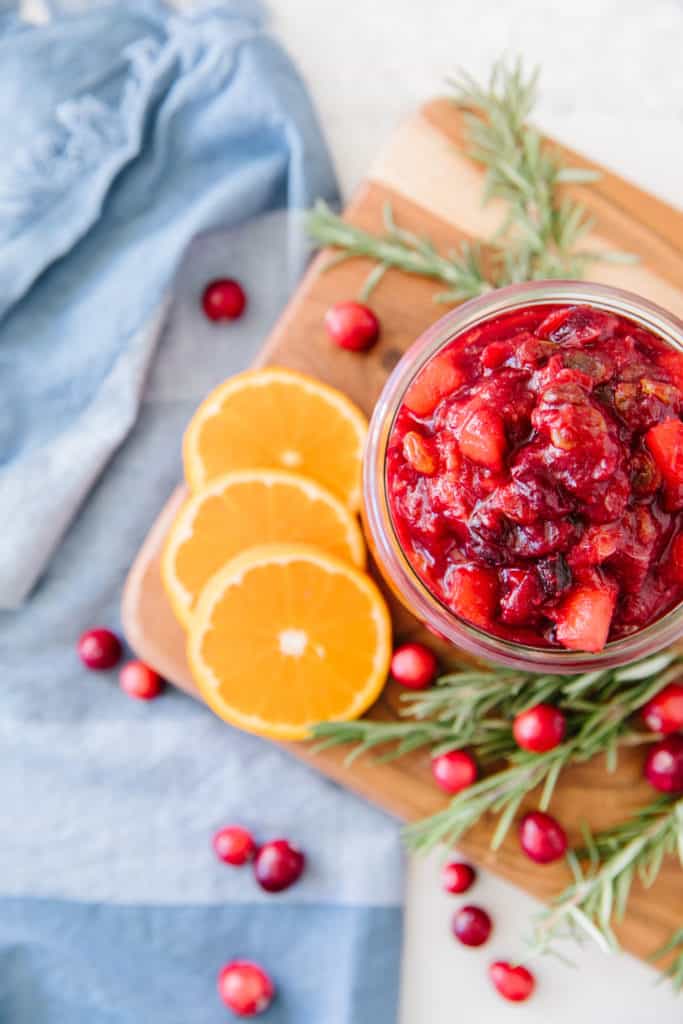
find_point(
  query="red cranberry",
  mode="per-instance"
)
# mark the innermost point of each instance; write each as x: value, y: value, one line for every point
x: 454, y: 770
x: 514, y: 983
x: 414, y: 666
x: 542, y: 838
x: 458, y: 877
x: 539, y: 728
x: 245, y: 988
x: 664, y: 765
x: 471, y: 925
x: 234, y: 845
x: 664, y: 711
x: 99, y: 649
x: 140, y: 681
x: 224, y: 299
x: 278, y: 865
x: 351, y: 325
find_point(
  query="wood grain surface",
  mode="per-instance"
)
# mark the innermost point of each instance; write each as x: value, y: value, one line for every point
x: 435, y: 189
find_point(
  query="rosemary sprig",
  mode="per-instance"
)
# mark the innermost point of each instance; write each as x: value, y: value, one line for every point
x: 462, y: 708
x: 541, y: 232
x: 475, y: 709
x: 600, y: 724
x: 599, y: 894
x: 675, y: 969
x: 461, y: 269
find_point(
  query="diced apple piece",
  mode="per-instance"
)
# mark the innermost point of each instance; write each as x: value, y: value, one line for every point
x: 495, y: 354
x: 665, y: 442
x: 584, y: 617
x: 482, y: 438
x: 473, y: 593
x: 440, y: 377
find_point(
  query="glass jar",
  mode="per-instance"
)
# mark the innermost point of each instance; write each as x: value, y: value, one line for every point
x: 384, y: 544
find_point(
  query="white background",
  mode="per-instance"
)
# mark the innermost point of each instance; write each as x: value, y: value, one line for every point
x: 612, y: 86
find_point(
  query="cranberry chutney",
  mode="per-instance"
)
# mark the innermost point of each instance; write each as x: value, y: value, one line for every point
x: 534, y: 476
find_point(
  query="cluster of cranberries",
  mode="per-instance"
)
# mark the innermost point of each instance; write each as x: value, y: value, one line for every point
x: 415, y: 667
x: 349, y: 325
x: 537, y: 730
x: 471, y: 925
x: 277, y: 864
x: 101, y: 650
x: 244, y: 987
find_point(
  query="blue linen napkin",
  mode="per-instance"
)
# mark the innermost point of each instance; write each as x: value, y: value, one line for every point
x: 113, y: 909
x: 123, y: 133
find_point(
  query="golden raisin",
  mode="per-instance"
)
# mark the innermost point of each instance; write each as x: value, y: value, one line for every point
x: 666, y: 393
x: 417, y: 453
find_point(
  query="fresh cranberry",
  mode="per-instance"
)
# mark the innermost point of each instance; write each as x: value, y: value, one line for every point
x: 471, y: 925
x: 539, y: 728
x: 234, y: 845
x: 542, y: 838
x: 224, y: 299
x: 515, y: 983
x: 245, y: 988
x: 140, y: 681
x: 352, y: 325
x: 664, y: 765
x: 99, y: 649
x: 664, y: 712
x: 414, y: 666
x: 454, y: 770
x: 278, y: 865
x: 457, y: 877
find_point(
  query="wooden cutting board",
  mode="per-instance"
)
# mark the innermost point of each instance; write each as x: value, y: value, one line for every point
x: 435, y: 190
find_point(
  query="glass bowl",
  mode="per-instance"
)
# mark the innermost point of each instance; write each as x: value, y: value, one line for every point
x: 384, y: 544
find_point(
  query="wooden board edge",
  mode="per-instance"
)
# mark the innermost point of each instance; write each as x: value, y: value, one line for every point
x: 663, y: 218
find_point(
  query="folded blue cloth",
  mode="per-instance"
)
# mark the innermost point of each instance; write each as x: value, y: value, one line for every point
x: 123, y: 132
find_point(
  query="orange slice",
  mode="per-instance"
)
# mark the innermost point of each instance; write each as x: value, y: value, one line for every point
x: 247, y: 507
x: 284, y: 636
x: 278, y: 419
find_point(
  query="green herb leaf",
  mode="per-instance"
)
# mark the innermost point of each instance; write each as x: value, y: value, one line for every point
x: 599, y: 895
x: 542, y: 227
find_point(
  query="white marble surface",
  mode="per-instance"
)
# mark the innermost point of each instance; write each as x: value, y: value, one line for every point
x: 612, y: 86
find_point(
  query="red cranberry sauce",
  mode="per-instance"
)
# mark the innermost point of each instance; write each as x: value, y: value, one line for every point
x: 535, y: 476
